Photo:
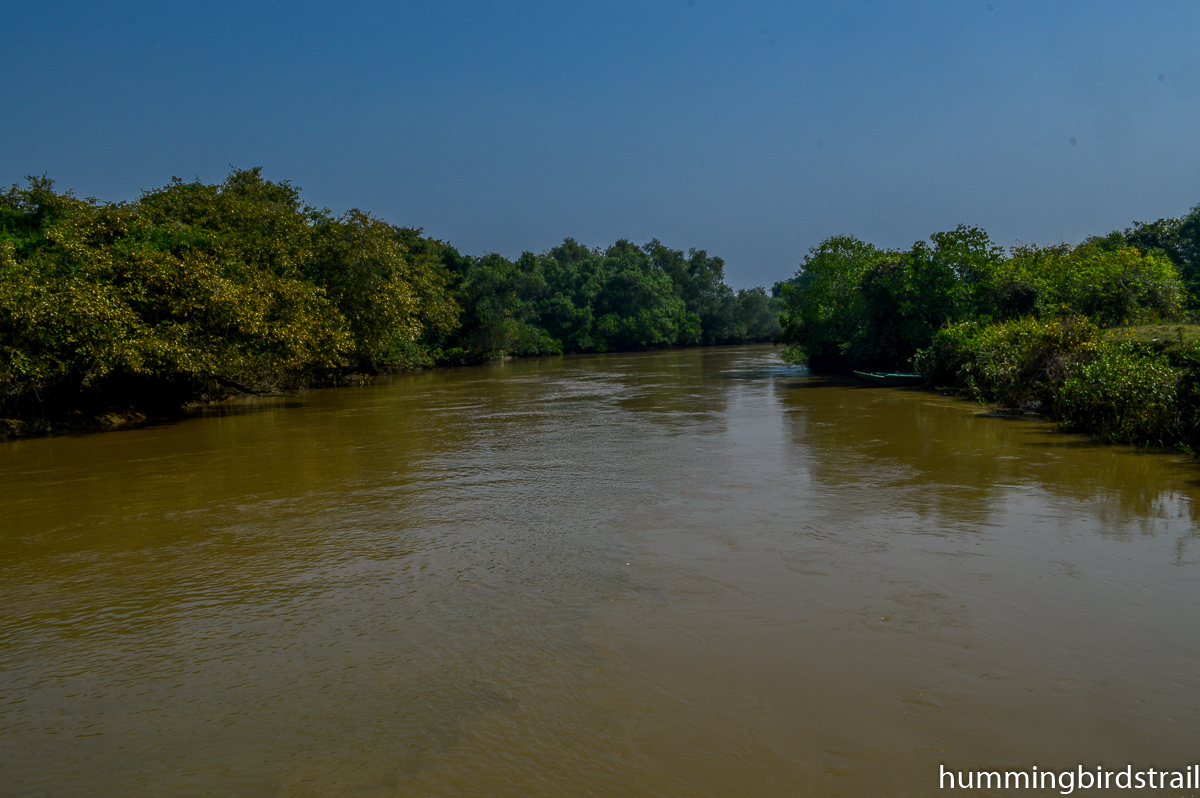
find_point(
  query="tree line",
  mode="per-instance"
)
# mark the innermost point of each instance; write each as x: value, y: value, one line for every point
x: 1096, y: 335
x: 197, y: 290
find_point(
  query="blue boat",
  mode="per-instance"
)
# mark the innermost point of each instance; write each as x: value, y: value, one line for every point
x: 890, y: 377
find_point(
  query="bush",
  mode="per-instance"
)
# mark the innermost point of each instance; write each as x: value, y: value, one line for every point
x: 1123, y: 395
x: 854, y: 306
x: 1015, y: 364
x: 1117, y: 390
x: 197, y: 290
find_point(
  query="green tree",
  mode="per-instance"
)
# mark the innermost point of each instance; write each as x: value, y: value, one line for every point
x: 756, y: 316
x: 389, y: 297
x: 823, y: 306
x: 699, y: 280
x: 1111, y: 285
x: 637, y: 308
x: 500, y: 299
x: 98, y: 296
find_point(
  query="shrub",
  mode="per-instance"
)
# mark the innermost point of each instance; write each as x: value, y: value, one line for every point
x: 1016, y: 364
x: 1123, y: 395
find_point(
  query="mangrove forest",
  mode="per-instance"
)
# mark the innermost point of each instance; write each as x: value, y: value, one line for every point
x: 1096, y: 335
x: 195, y: 292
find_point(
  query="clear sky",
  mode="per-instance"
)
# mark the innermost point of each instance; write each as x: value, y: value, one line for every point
x: 750, y: 129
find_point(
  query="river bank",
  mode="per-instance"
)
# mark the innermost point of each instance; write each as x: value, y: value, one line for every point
x: 1137, y: 385
x: 106, y: 419
x: 196, y: 291
x: 1098, y: 335
x: 1132, y: 385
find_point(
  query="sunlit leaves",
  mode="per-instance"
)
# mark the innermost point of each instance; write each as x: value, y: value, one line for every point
x: 242, y: 285
x: 232, y: 284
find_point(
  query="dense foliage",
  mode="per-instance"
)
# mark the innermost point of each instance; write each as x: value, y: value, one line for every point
x: 576, y: 299
x: 854, y: 306
x: 1028, y: 328
x: 196, y: 290
x: 1105, y: 383
x: 1015, y: 364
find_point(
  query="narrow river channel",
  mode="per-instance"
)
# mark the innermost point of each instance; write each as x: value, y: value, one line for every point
x: 682, y: 573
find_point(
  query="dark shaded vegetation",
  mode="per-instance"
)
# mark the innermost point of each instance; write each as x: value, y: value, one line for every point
x: 195, y: 292
x: 1092, y: 335
x: 626, y: 297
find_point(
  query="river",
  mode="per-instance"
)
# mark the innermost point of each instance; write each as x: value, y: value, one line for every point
x: 684, y: 573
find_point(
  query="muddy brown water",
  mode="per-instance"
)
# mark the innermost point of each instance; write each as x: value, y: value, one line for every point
x: 684, y: 573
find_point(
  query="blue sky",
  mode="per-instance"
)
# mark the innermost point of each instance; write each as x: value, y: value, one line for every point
x: 750, y: 129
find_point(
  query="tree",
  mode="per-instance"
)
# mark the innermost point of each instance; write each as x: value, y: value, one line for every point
x: 500, y: 299
x: 699, y: 280
x: 823, y: 307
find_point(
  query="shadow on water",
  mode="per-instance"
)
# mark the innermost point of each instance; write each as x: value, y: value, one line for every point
x: 950, y: 458
x: 251, y: 405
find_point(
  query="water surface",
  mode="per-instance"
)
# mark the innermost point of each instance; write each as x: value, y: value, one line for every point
x: 684, y: 573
